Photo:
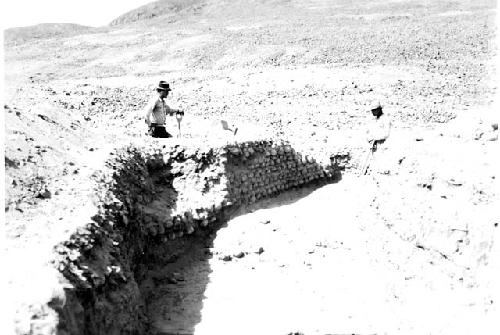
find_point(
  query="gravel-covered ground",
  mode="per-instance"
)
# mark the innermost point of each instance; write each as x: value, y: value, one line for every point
x: 422, y: 224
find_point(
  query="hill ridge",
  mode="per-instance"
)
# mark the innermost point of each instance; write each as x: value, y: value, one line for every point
x: 154, y: 9
x: 43, y: 30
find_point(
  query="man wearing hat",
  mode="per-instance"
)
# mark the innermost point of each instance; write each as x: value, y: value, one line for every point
x: 380, y: 127
x: 378, y: 131
x: 157, y: 110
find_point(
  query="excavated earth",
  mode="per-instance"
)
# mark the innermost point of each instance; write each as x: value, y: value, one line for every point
x: 272, y: 230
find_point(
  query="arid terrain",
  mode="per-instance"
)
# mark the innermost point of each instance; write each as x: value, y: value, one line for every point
x: 409, y: 248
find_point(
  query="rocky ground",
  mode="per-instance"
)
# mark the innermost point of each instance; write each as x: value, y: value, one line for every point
x: 419, y: 232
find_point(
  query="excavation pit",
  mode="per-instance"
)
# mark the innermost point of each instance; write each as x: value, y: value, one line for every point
x: 158, y: 212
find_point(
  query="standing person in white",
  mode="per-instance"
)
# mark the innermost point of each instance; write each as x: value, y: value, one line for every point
x: 378, y: 131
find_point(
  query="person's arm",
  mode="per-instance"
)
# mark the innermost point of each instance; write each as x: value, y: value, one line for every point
x: 173, y: 111
x: 385, y: 130
x: 147, y: 112
x: 370, y: 133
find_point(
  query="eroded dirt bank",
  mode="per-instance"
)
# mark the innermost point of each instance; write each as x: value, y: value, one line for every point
x: 148, y: 201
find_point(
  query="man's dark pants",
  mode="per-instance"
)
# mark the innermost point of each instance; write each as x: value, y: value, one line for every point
x: 159, y: 132
x: 376, y: 143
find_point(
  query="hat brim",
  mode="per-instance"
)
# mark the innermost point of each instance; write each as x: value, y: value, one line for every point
x: 163, y: 89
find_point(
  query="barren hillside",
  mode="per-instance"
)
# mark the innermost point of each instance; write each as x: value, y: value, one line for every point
x: 156, y: 9
x: 23, y: 35
x: 304, y: 72
x: 428, y: 62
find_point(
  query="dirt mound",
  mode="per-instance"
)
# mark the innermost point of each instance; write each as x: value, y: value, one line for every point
x: 43, y: 143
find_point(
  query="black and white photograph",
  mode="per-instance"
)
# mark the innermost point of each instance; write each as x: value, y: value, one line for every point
x: 271, y: 167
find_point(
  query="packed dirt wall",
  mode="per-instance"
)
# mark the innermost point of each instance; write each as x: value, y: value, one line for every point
x: 152, y: 202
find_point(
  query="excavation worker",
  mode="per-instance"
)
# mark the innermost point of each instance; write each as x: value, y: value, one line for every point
x: 378, y: 131
x: 157, y: 110
x: 379, y: 128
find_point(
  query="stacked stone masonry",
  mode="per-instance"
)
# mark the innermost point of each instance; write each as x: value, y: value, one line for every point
x: 257, y: 170
x: 226, y: 177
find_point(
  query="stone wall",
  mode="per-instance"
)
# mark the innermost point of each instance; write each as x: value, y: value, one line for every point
x: 149, y: 195
x: 261, y: 169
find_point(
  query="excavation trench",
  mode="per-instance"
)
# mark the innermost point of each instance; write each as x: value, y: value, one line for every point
x: 147, y: 250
